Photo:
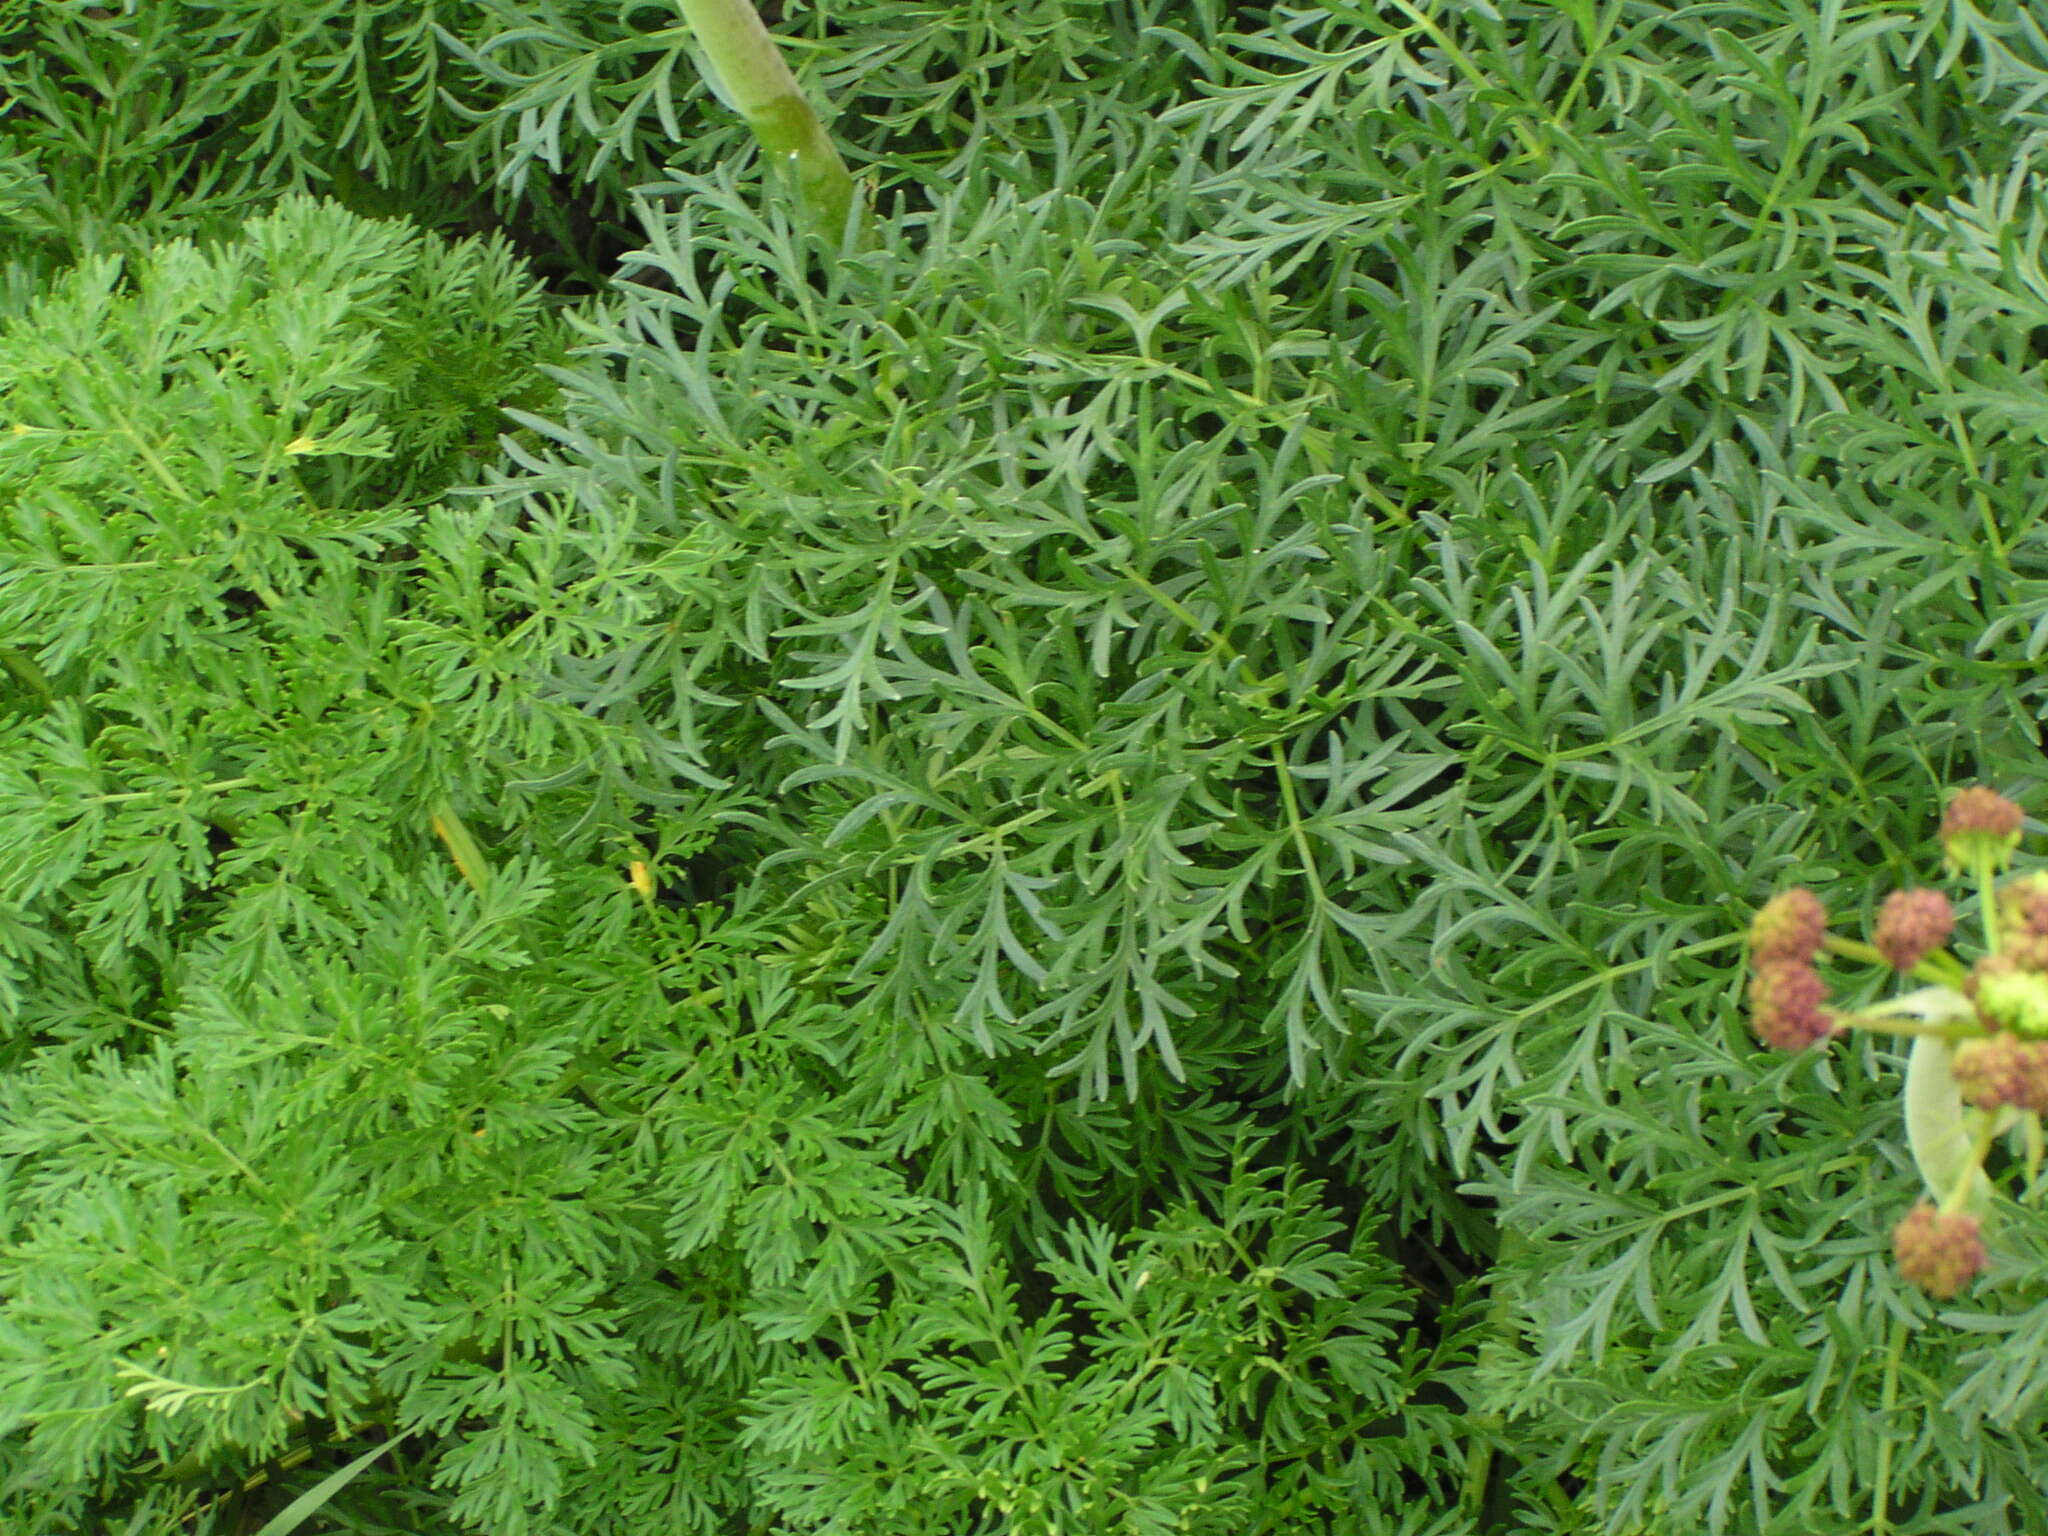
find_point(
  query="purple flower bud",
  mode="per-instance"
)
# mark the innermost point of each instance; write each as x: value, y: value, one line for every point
x: 1938, y: 1251
x: 1911, y: 923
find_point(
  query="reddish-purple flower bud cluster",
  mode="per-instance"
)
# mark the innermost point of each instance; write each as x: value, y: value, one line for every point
x: 1910, y: 924
x: 2003, y: 1070
x: 1999, y: 1059
x: 1790, y: 926
x: 1785, y: 991
x: 1938, y: 1251
x: 1785, y: 999
x: 2023, y: 921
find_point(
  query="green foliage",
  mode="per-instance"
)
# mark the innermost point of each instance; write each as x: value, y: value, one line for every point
x: 1205, y: 720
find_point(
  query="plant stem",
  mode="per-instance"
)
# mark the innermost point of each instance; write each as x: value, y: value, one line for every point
x: 1937, y: 965
x: 1880, y: 1505
x: 1882, y: 1023
x: 1986, y: 1133
x: 1502, y: 1333
x: 753, y: 78
x: 1986, y: 874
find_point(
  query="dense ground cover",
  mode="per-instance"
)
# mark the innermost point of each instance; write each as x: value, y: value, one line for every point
x: 1080, y: 872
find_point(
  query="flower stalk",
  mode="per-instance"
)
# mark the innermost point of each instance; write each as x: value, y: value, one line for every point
x: 747, y: 72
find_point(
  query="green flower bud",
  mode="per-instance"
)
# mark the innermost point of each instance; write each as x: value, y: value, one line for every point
x: 2015, y: 1000
x: 1980, y: 824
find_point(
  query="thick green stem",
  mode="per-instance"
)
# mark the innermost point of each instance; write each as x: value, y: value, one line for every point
x: 751, y: 76
x: 1986, y: 872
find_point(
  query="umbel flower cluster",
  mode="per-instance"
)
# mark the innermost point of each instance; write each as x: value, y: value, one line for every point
x: 1979, y: 1063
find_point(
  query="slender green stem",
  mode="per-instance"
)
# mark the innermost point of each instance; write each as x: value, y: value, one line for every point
x: 1880, y: 1506
x: 1897, y: 1024
x: 1992, y: 537
x: 1937, y: 966
x: 183, y: 791
x: 1986, y: 1132
x: 1478, y: 1474
x: 1986, y: 877
x: 1308, y: 858
x: 1534, y: 145
x: 1501, y: 1326
x: 749, y: 70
